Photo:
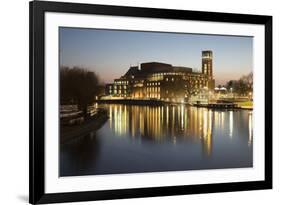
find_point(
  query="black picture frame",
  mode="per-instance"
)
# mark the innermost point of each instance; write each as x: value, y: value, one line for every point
x: 37, y: 9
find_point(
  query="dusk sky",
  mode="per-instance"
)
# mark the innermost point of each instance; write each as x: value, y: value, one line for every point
x: 111, y: 52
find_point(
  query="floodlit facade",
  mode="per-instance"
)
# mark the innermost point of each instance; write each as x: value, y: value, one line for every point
x: 161, y: 81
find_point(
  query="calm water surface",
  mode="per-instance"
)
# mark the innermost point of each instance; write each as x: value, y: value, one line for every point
x: 161, y: 138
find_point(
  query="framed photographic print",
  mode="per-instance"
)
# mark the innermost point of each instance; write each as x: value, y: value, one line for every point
x: 140, y: 102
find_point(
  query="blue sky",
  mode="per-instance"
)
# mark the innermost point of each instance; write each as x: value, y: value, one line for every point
x: 111, y: 52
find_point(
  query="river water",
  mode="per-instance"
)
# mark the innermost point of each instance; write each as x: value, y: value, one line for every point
x: 139, y: 139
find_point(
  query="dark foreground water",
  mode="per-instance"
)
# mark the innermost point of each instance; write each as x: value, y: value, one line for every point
x: 161, y: 138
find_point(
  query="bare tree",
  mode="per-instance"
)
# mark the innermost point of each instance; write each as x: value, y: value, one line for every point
x: 78, y: 86
x: 191, y: 89
x: 242, y: 86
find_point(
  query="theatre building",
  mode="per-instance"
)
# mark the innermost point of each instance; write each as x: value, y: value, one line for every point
x: 161, y: 81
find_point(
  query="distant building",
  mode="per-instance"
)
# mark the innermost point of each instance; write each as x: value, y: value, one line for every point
x: 161, y: 81
x: 221, y: 90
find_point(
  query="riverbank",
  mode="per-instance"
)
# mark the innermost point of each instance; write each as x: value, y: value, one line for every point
x: 225, y: 106
x: 229, y: 105
x: 247, y: 105
x: 68, y: 133
x: 152, y: 102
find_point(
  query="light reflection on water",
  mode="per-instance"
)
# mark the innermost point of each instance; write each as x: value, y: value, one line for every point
x: 162, y: 138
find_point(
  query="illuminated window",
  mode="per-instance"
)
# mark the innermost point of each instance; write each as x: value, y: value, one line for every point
x: 167, y: 79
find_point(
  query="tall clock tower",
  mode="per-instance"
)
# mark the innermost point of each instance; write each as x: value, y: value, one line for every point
x: 207, y: 67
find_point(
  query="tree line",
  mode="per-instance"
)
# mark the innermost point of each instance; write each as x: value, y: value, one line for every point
x: 78, y: 86
x: 242, y: 86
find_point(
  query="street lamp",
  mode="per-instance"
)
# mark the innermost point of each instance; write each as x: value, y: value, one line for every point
x: 231, y: 92
x: 250, y: 95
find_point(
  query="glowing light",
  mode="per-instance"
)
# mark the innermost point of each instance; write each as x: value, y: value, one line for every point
x: 230, y: 124
x: 250, y: 129
x: 182, y: 114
